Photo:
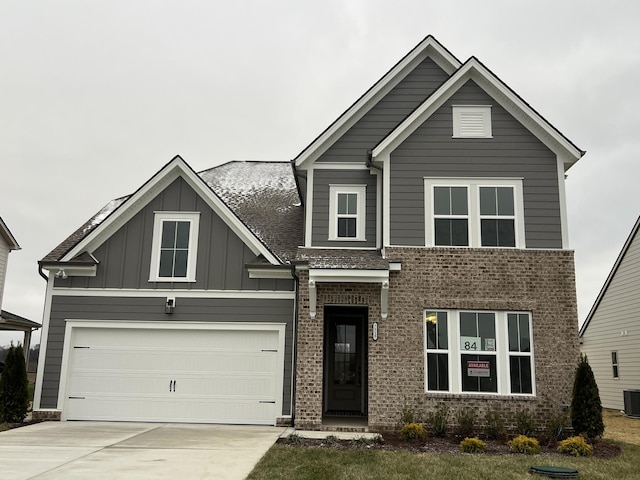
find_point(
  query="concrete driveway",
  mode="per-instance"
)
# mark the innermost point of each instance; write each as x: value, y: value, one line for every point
x: 109, y: 450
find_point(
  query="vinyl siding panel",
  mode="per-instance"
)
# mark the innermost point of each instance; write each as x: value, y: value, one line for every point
x: 322, y: 179
x: 378, y: 122
x: 512, y: 152
x: 152, y: 309
x: 618, y: 311
x: 125, y: 258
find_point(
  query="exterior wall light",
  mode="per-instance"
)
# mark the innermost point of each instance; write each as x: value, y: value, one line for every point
x: 169, y: 306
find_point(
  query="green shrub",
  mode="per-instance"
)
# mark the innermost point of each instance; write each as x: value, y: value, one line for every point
x: 524, y: 444
x: 575, y: 446
x: 14, y: 397
x: 407, y: 415
x: 413, y: 432
x: 294, y: 439
x: 473, y: 445
x: 466, y: 418
x: 525, y: 424
x: 586, y: 409
x: 330, y: 439
x: 495, y: 424
x: 366, y: 441
x: 437, y: 421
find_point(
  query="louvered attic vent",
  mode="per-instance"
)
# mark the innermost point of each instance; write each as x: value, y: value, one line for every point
x: 472, y: 121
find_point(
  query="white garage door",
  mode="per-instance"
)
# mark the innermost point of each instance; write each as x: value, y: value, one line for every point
x: 169, y: 375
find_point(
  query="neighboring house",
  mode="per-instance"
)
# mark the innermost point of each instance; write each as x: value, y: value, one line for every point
x: 609, y: 335
x: 8, y: 320
x: 7, y: 244
x: 416, y: 252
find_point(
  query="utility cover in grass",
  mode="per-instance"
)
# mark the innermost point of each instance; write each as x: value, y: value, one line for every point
x: 554, y: 472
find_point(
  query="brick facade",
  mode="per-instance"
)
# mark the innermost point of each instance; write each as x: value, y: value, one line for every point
x: 539, y: 281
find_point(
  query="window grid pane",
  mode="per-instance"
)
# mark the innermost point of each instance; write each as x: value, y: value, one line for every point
x: 437, y: 346
x: 174, y: 249
x: 497, y: 222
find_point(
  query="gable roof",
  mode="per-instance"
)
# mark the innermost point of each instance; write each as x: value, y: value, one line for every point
x: 428, y: 47
x: 233, y: 196
x: 475, y: 70
x: 612, y: 274
x: 8, y: 236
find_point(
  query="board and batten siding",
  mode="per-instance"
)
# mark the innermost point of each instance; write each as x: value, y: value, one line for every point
x: 125, y: 258
x: 322, y: 179
x: 240, y: 310
x: 617, y: 312
x: 383, y: 117
x: 513, y: 151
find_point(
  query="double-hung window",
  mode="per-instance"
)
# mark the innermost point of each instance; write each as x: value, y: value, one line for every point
x: 347, y: 212
x: 451, y: 215
x: 474, y: 212
x: 614, y: 364
x: 478, y: 352
x: 173, y: 253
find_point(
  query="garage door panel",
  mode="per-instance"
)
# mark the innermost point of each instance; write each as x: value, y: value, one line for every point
x: 229, y: 376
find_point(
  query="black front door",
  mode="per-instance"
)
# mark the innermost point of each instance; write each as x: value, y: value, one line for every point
x: 345, y: 373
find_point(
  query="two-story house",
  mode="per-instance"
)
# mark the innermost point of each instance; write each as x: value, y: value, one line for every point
x: 416, y: 252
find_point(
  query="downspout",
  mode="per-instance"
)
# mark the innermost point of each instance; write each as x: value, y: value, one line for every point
x: 295, y: 346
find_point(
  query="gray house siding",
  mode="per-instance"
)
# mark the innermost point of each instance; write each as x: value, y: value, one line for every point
x: 512, y: 152
x: 152, y: 309
x: 125, y: 258
x: 378, y: 122
x: 320, y: 225
x: 617, y: 312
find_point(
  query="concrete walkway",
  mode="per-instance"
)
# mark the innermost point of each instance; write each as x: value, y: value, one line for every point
x: 107, y: 450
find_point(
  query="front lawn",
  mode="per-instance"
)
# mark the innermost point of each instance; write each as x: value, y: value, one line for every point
x: 299, y: 463
x: 287, y: 462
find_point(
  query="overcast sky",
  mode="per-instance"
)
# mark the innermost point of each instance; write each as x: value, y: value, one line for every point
x: 96, y: 96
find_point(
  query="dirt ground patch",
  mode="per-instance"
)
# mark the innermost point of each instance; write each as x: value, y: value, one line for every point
x: 621, y: 428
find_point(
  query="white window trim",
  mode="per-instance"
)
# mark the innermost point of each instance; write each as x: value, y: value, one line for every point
x: 473, y: 197
x: 360, y: 191
x: 194, y: 220
x: 483, y: 110
x: 502, y: 353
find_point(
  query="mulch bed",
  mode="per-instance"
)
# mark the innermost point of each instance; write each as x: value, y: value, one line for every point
x: 392, y: 442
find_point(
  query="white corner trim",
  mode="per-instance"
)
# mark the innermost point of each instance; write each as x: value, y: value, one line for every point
x: 386, y: 200
x: 562, y: 194
x: 308, y: 210
x: 44, y: 341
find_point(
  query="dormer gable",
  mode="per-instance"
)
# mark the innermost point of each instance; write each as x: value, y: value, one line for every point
x: 427, y: 48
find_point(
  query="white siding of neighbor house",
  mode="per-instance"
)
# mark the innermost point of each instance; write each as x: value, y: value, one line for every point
x: 615, y: 326
x: 4, y: 256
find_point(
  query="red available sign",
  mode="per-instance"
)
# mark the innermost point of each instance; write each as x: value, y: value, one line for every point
x: 478, y: 369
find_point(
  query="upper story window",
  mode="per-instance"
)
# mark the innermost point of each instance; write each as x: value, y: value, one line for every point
x: 478, y: 352
x: 474, y: 212
x: 347, y: 212
x: 175, y: 241
x: 472, y: 121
